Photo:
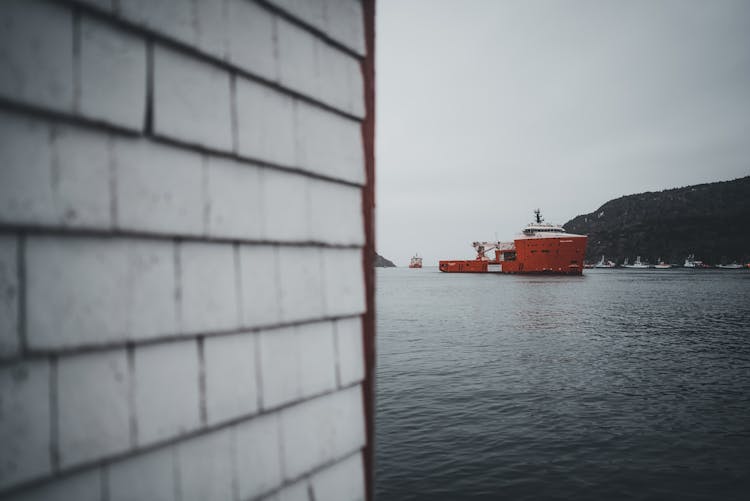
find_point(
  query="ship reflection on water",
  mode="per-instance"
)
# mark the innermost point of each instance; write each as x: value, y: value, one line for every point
x: 611, y: 385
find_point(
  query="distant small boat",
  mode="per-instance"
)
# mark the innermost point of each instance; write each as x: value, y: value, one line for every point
x: 638, y: 264
x: 604, y: 264
x: 416, y: 262
x: 733, y: 266
x: 661, y: 265
x: 690, y: 262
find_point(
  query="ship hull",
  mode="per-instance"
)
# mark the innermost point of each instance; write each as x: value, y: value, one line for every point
x: 557, y: 255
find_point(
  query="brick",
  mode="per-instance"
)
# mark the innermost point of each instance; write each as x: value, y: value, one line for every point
x: 213, y: 27
x: 336, y: 213
x: 317, y: 358
x: 205, y: 466
x: 345, y: 23
x: 339, y: 74
x: 52, y: 175
x: 93, y: 408
x: 166, y: 391
x: 234, y: 199
x: 85, y: 486
x: 89, y: 290
x: 81, y: 177
x: 329, y: 145
x: 9, y: 296
x: 258, y: 456
x: 298, y: 67
x: 321, y: 430
x: 310, y: 12
x: 251, y: 39
x: 24, y: 422
x: 301, y: 283
x: 231, y: 382
x: 147, y: 476
x: 297, y: 362
x: 285, y: 206
x: 265, y: 123
x: 209, y: 287
x: 183, y: 109
x: 26, y: 156
x: 36, y: 50
x: 159, y: 188
x: 350, y: 351
x: 171, y: 18
x: 344, y: 481
x: 259, y: 284
x: 113, y: 75
x: 344, y: 281
x: 299, y: 491
x: 278, y: 360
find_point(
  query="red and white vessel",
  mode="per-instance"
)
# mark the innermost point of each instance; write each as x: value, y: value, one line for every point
x: 416, y: 262
x: 541, y: 248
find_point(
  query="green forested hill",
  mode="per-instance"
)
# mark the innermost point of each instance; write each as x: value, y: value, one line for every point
x: 710, y: 220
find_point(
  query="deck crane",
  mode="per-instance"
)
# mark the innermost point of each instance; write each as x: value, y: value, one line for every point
x: 483, y: 248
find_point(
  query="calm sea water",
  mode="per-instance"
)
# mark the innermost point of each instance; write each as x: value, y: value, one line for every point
x: 621, y: 384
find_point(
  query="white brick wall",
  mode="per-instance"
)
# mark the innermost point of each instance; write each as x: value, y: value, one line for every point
x: 265, y: 124
x: 209, y: 287
x: 329, y: 145
x: 231, y: 377
x: 88, y: 291
x: 322, y: 430
x: 86, y: 486
x: 93, y: 411
x: 52, y: 175
x: 342, y: 270
x: 301, y: 281
x: 205, y: 466
x: 36, y: 48
x: 234, y: 200
x: 350, y: 351
x: 159, y: 188
x: 251, y: 39
x: 24, y: 422
x: 181, y: 234
x: 285, y: 206
x: 9, y: 296
x: 258, y: 456
x: 260, y: 285
x: 149, y: 476
x: 297, y: 362
x: 181, y: 110
x: 336, y: 213
x: 113, y: 75
x: 171, y: 18
x: 167, y: 401
x: 343, y: 481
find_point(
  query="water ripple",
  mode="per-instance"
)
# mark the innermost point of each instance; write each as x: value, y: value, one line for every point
x: 615, y: 385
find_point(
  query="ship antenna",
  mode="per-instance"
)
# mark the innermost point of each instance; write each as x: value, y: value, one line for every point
x: 538, y: 215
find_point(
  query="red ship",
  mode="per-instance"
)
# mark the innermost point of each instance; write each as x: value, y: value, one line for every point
x: 541, y: 248
x: 416, y: 262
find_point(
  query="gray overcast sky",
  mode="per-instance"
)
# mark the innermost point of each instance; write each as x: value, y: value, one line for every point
x: 489, y: 109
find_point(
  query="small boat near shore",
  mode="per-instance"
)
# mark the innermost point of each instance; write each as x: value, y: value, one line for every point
x: 661, y: 265
x: 732, y: 266
x: 638, y: 264
x: 604, y: 264
x: 416, y: 261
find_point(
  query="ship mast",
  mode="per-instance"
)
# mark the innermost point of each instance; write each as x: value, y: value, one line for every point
x: 538, y: 215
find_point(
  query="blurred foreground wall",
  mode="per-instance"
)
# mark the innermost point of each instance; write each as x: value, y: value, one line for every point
x: 181, y: 250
